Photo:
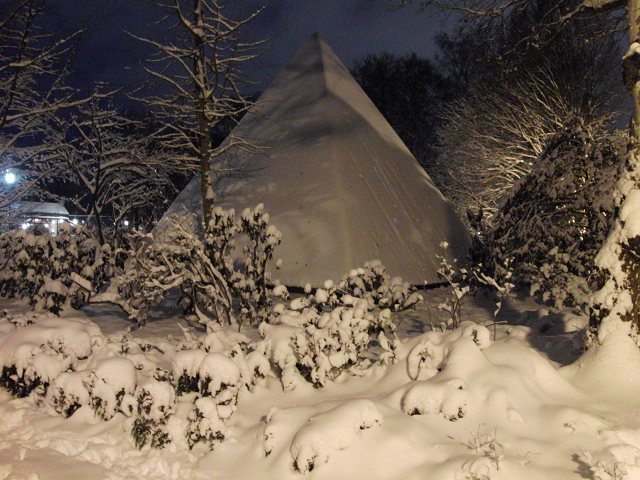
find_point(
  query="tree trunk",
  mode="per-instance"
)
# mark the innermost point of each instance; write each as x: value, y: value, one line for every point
x: 206, y: 188
x: 623, y: 268
x: 631, y: 65
x: 98, y: 218
x: 204, y: 132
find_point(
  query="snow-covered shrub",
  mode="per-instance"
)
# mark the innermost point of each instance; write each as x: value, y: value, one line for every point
x: 336, y: 429
x: 154, y: 404
x: 217, y: 380
x: 35, y: 352
x: 220, y: 379
x: 249, y: 359
x: 215, y: 369
x: 458, y: 286
x: 326, y: 341
x: 107, y: 385
x: 51, y: 271
x: 376, y: 286
x: 67, y: 393
x: 426, y: 354
x: 205, y: 425
x: 551, y: 228
x: 616, y: 301
x: 333, y: 329
x: 449, y: 399
x: 250, y: 285
x: 604, y: 469
x: 433, y: 349
x: 278, y: 346
x: 155, y: 267
x: 186, y: 366
x: 203, y: 267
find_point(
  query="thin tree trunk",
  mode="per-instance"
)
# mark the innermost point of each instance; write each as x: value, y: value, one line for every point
x: 631, y: 66
x: 98, y: 218
x: 204, y: 132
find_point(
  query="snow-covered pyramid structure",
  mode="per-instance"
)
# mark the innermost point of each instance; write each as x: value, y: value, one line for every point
x: 335, y: 178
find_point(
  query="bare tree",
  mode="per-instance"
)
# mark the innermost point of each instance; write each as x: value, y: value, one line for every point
x: 514, y: 96
x: 200, y: 71
x: 554, y: 16
x: 110, y: 163
x: 32, y: 92
x: 494, y: 135
x: 618, y: 257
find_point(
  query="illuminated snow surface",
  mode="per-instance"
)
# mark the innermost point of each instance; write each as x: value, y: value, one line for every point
x: 522, y: 407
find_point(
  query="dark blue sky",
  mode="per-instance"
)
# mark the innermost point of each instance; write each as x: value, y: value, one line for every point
x: 353, y: 28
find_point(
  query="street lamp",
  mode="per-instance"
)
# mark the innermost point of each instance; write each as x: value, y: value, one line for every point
x: 9, y: 178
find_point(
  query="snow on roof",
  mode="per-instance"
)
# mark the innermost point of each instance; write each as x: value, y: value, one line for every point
x: 40, y: 209
x: 335, y: 178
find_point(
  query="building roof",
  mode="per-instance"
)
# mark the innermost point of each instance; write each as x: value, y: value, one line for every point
x: 40, y: 210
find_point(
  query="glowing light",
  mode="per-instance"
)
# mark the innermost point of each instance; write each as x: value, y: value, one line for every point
x: 9, y: 177
x: 126, y: 223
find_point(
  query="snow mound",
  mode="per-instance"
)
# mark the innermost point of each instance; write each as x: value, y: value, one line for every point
x: 219, y: 373
x: 336, y: 429
x: 69, y: 337
x: 112, y: 379
x: 611, y: 366
x: 448, y: 399
x: 67, y: 393
x: 278, y: 348
x: 433, y: 350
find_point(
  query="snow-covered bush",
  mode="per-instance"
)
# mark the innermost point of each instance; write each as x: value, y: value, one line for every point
x: 432, y: 351
x: 457, y: 286
x: 447, y: 399
x: 336, y: 429
x: 33, y: 354
x: 215, y: 369
x: 219, y: 382
x: 203, y: 267
x: 67, y: 393
x: 374, y: 284
x: 51, y: 271
x: 250, y: 285
x: 427, y: 354
x: 616, y: 301
x: 331, y: 330
x: 154, y: 404
x: 551, y: 228
x: 205, y: 425
x: 155, y: 267
x: 107, y: 385
x: 186, y: 366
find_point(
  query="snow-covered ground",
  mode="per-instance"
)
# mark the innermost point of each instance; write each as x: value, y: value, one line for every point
x: 456, y: 405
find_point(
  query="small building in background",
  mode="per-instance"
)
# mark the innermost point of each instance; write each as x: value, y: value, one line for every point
x: 47, y: 214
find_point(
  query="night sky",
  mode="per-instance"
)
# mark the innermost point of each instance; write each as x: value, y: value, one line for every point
x: 352, y: 28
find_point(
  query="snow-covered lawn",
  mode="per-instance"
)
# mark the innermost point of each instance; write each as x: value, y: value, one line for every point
x: 456, y: 405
